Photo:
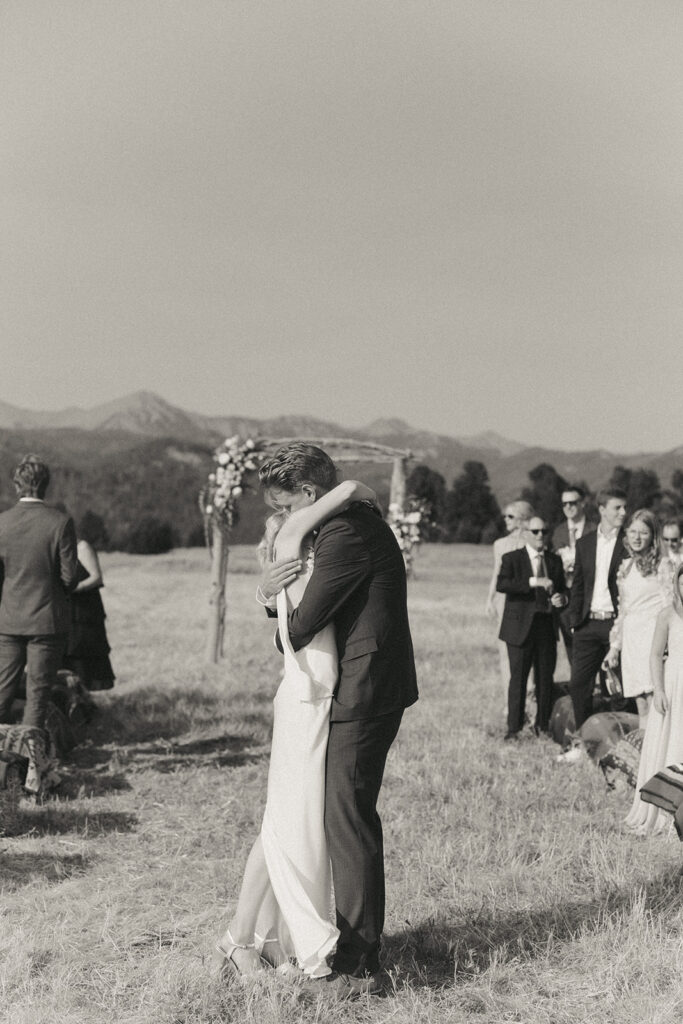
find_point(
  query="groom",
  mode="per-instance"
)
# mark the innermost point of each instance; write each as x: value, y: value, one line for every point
x: 359, y: 584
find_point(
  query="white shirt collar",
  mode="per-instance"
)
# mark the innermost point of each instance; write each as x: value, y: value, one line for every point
x: 533, y: 554
x: 32, y: 500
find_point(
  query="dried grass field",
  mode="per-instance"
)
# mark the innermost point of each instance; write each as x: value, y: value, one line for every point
x: 513, y: 895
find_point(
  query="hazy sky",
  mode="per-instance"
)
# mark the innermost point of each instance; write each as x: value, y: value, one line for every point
x: 467, y: 214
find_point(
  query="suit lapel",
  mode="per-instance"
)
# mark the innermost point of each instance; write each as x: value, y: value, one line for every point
x: 617, y: 554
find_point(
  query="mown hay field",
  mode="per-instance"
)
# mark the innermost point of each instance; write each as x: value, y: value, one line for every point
x: 513, y: 894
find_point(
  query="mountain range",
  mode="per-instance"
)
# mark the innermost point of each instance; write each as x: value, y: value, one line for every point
x: 141, y: 443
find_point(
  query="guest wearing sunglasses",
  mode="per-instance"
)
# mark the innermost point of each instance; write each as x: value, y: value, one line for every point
x: 516, y: 515
x: 565, y: 537
x: 532, y: 579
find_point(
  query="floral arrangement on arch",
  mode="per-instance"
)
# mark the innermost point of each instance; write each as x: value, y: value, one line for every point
x: 219, y: 498
x: 407, y: 524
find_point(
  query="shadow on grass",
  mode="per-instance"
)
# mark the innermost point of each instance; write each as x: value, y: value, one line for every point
x: 435, y: 951
x: 56, y: 818
x: 21, y: 868
x: 78, y: 783
x: 224, y: 751
x: 154, y: 713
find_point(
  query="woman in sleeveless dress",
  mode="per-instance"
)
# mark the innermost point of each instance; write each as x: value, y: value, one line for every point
x: 285, y: 909
x: 644, y: 589
x: 663, y: 743
x: 516, y: 515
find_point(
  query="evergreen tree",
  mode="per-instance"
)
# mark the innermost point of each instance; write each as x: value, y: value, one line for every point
x: 470, y: 505
x: 425, y: 484
x: 545, y: 493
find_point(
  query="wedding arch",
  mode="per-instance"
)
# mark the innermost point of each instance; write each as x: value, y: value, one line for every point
x: 235, y: 460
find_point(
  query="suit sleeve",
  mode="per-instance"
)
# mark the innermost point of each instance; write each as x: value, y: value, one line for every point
x: 342, y: 564
x: 68, y: 556
x: 508, y: 581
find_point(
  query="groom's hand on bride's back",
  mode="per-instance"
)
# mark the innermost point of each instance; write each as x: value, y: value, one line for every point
x: 277, y: 575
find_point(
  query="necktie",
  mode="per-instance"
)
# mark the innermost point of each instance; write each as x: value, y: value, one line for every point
x: 572, y: 535
x: 541, y: 592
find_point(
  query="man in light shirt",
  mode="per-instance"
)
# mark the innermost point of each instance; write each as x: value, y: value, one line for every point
x: 565, y: 537
x: 594, y: 597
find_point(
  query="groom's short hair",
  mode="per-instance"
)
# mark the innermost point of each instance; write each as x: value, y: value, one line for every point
x: 296, y: 464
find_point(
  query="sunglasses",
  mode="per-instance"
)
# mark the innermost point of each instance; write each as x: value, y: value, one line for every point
x: 538, y: 533
x: 569, y: 504
x: 508, y: 516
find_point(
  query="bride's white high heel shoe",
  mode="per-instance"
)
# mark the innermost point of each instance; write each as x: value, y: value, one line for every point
x: 227, y: 964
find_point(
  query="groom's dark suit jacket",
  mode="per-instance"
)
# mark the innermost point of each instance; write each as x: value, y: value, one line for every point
x: 584, y: 576
x: 359, y: 583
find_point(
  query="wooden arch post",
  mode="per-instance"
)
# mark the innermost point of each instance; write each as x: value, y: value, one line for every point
x: 217, y: 600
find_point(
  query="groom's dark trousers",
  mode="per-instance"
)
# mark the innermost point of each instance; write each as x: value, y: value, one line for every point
x: 359, y: 583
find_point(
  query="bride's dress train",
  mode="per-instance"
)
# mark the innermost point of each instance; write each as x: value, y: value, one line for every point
x: 293, y: 836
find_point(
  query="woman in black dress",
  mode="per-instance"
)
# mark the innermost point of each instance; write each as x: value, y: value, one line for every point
x: 87, y: 652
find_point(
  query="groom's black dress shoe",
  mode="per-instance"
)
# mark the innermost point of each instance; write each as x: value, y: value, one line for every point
x: 346, y: 986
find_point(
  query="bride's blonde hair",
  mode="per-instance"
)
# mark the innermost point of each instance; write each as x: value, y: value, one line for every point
x: 273, y: 525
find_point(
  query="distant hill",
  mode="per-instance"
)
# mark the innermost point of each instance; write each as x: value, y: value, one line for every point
x: 140, y: 455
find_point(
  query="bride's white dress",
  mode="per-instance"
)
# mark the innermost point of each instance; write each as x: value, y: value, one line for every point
x: 292, y: 832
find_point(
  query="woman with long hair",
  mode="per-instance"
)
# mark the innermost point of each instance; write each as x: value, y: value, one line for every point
x: 516, y: 515
x: 663, y: 742
x: 643, y: 592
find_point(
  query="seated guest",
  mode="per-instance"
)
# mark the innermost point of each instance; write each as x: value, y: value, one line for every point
x: 565, y: 537
x: 532, y: 580
x: 38, y: 567
x: 87, y: 650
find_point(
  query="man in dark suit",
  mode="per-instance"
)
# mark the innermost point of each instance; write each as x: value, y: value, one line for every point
x: 532, y: 580
x: 38, y: 566
x: 594, y: 599
x: 358, y: 583
x: 566, y: 535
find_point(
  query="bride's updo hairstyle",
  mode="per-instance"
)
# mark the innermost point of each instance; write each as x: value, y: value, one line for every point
x: 296, y: 464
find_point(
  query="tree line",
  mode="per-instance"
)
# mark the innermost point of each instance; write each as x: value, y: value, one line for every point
x: 468, y: 512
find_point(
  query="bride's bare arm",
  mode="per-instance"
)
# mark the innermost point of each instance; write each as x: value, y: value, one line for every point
x: 301, y: 522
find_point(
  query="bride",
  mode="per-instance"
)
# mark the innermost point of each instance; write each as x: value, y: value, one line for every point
x: 285, y: 910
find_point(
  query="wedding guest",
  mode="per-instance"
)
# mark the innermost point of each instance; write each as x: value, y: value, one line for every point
x: 663, y: 742
x: 593, y: 603
x: 532, y: 580
x: 566, y: 534
x: 671, y: 545
x: 87, y: 649
x: 643, y: 582
x: 38, y: 567
x: 516, y: 515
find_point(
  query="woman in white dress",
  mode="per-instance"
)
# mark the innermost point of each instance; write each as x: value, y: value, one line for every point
x: 663, y: 742
x: 285, y: 909
x: 644, y: 589
x: 516, y: 516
